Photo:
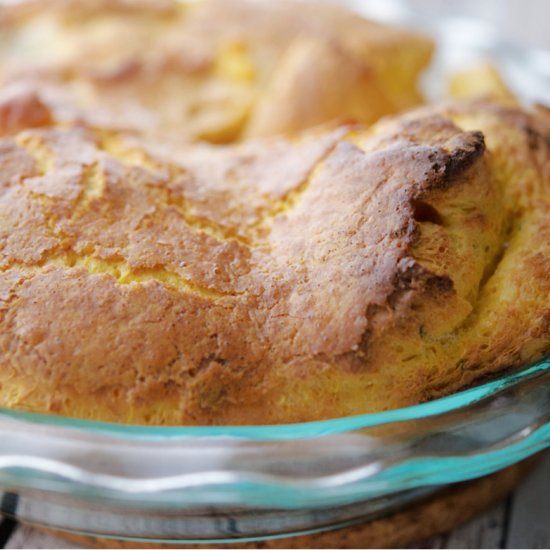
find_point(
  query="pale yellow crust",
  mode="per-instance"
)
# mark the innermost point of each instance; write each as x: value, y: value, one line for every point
x: 342, y: 272
x: 215, y: 70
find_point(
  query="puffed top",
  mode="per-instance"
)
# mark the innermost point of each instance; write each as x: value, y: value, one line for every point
x: 338, y: 272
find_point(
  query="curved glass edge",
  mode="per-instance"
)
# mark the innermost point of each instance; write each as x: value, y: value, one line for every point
x: 305, y: 430
x: 210, y: 541
x: 264, y: 491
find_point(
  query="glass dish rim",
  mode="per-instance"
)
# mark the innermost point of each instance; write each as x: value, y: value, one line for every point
x: 289, y: 432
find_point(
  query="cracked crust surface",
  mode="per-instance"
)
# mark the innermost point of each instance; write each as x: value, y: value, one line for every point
x: 339, y: 273
x: 215, y: 70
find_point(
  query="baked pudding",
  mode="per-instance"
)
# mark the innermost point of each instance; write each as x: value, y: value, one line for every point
x: 215, y: 70
x: 338, y: 272
x: 316, y: 268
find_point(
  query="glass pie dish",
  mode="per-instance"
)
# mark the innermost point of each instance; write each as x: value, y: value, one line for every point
x: 235, y: 484
x: 228, y: 484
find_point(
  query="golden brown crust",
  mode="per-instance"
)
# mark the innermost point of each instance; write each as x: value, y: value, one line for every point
x: 279, y: 281
x: 214, y: 70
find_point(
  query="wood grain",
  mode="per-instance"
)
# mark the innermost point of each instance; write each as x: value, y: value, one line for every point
x: 529, y: 522
x: 486, y: 531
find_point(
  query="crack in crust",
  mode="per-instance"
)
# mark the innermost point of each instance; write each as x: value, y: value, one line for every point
x: 275, y: 281
x: 120, y: 271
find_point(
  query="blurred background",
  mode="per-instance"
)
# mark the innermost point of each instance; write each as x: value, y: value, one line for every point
x: 511, y: 35
x: 524, y: 22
